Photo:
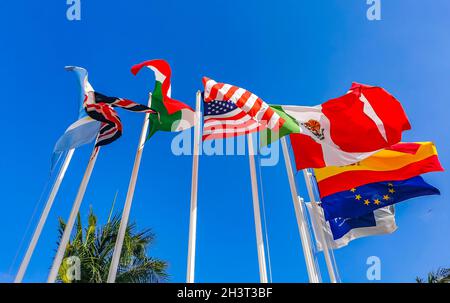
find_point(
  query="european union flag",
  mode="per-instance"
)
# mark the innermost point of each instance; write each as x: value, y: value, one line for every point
x: 363, y: 200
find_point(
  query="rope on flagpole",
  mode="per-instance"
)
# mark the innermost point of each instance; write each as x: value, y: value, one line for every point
x: 333, y: 259
x: 22, y: 241
x: 257, y: 212
x: 128, y: 201
x: 43, y: 218
x: 316, y: 213
x: 266, y: 234
x: 53, y: 275
x: 190, y: 274
x: 302, y: 223
x: 311, y: 223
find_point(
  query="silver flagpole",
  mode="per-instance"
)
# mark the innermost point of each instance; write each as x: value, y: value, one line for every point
x: 128, y: 201
x: 194, y: 185
x: 73, y: 214
x: 316, y: 214
x: 313, y: 274
x: 37, y: 233
x: 257, y: 213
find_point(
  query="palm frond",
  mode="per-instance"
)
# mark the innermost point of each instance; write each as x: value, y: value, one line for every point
x: 94, y: 246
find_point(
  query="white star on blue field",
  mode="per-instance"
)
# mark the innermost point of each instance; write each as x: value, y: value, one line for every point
x: 295, y: 52
x: 218, y: 107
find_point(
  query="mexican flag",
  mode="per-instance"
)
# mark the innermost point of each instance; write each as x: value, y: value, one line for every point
x: 172, y: 115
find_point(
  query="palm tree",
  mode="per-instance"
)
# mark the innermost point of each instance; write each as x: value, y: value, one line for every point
x: 442, y: 275
x: 94, y: 247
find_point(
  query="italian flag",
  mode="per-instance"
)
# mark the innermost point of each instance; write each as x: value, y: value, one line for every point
x: 172, y: 115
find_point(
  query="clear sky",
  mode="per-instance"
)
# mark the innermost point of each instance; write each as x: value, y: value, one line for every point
x: 287, y: 52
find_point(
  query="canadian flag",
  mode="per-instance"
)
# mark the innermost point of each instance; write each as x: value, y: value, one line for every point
x: 347, y: 129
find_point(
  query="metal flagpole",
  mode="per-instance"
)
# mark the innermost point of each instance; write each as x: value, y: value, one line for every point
x: 128, y: 201
x: 257, y: 213
x: 73, y: 214
x: 305, y: 237
x: 316, y: 213
x: 37, y: 233
x: 194, y: 185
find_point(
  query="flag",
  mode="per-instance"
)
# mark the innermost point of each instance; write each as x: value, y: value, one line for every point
x: 82, y: 131
x: 101, y: 108
x: 173, y: 115
x: 398, y: 162
x: 342, y: 231
x: 359, y: 201
x: 347, y: 129
x: 231, y: 111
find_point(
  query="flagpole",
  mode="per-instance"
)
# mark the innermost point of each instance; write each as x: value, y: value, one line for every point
x: 37, y: 233
x: 128, y: 201
x: 194, y: 185
x: 257, y: 213
x: 305, y: 237
x: 316, y: 213
x: 73, y: 214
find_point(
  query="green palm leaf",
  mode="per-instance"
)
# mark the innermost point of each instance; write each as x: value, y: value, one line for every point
x: 93, y: 245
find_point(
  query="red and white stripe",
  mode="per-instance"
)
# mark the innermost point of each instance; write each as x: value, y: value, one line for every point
x: 251, y: 104
x: 231, y: 124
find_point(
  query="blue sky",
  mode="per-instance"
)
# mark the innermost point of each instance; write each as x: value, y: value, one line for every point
x: 292, y: 52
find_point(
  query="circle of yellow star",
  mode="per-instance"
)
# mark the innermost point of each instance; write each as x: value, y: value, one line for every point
x: 358, y: 197
x: 376, y: 201
x: 390, y: 184
x: 367, y: 202
x: 391, y: 190
x: 353, y: 190
x: 386, y: 197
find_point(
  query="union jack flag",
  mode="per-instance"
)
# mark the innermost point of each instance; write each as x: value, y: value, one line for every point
x: 101, y: 108
x: 231, y: 111
x: 123, y: 103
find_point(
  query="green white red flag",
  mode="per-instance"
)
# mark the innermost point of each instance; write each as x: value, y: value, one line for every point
x: 172, y: 115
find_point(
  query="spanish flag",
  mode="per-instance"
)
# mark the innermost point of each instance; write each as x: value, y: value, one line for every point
x: 399, y: 162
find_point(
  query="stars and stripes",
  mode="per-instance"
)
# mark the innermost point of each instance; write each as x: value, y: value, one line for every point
x: 223, y: 119
x: 232, y: 111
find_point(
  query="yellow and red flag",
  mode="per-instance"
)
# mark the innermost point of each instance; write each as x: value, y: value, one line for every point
x: 399, y: 162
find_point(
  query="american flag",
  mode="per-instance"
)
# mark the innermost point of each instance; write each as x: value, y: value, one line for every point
x: 231, y: 111
x: 223, y: 119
